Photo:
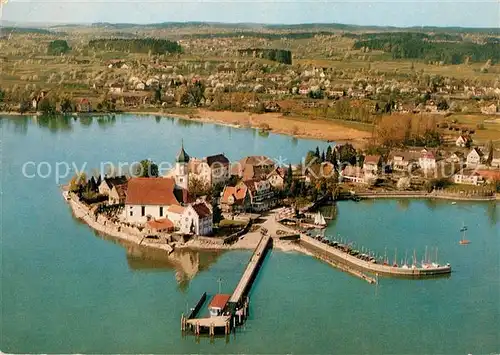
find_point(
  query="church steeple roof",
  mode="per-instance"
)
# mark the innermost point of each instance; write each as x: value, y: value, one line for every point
x: 182, y: 156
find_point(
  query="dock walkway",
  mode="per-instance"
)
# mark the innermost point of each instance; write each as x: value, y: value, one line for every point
x: 250, y: 271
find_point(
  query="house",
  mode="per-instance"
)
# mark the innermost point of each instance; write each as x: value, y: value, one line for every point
x: 371, y: 164
x: 212, y: 170
x: 262, y: 196
x: 318, y: 171
x: 218, y: 304
x: 352, y: 174
x: 118, y: 194
x: 277, y: 177
x: 84, y: 105
x: 489, y: 110
x: 427, y: 160
x: 196, y: 219
x: 253, y: 167
x: 456, y: 157
x: 468, y: 178
x: 463, y: 141
x: 235, y: 199
x: 489, y: 176
x: 474, y: 158
x: 160, y: 225
x: 116, y: 88
x: 403, y: 161
x: 108, y: 182
x: 149, y: 198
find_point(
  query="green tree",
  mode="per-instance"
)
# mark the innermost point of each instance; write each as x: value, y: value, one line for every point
x: 66, y: 105
x: 46, y: 106
x: 2, y: 95
x: 196, y: 93
x: 58, y: 47
x: 216, y: 214
x: 198, y: 187
x: 146, y: 168
x: 328, y: 155
x: 24, y: 106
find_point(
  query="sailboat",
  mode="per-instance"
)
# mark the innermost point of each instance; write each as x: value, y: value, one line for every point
x: 463, y: 241
x: 319, y: 220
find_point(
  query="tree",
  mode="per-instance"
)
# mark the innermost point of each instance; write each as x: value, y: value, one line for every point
x: 328, y: 155
x: 198, y: 187
x: 489, y: 158
x: 24, y: 106
x: 316, y: 153
x: 442, y: 105
x: 2, y: 95
x: 146, y: 168
x: 58, y: 47
x: 196, y: 93
x: 46, y: 106
x: 216, y: 214
x: 66, y: 105
x: 77, y: 182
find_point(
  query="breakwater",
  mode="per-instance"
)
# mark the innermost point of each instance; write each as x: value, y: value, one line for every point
x: 374, y: 268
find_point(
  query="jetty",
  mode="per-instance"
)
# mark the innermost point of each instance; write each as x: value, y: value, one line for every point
x: 341, y: 255
x: 232, y: 313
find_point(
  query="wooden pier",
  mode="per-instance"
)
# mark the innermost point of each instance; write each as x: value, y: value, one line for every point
x: 236, y: 310
x: 251, y: 271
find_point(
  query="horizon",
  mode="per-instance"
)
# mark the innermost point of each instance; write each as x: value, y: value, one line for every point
x: 400, y: 14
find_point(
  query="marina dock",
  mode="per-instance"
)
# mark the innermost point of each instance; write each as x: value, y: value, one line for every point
x: 374, y: 268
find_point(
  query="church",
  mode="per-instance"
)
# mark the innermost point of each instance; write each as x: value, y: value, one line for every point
x: 166, y: 200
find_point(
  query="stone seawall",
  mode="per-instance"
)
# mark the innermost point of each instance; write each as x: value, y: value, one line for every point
x: 105, y: 226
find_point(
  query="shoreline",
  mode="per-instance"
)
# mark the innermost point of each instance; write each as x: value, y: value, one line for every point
x: 430, y: 196
x: 276, y: 123
x: 246, y: 242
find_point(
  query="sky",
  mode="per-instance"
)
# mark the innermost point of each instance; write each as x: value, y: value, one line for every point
x: 472, y: 13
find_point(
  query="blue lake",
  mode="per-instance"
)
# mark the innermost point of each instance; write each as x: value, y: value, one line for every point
x: 66, y: 290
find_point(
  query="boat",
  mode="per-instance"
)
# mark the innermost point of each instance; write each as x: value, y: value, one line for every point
x: 453, y: 203
x: 463, y: 241
x: 319, y: 221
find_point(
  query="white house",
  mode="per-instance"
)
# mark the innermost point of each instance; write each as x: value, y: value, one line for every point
x: 371, y: 164
x: 462, y: 141
x: 470, y: 178
x: 277, y: 177
x: 108, y: 182
x: 212, y: 170
x: 196, y: 219
x: 150, y: 198
x: 474, y: 157
x: 352, y: 174
x: 427, y: 161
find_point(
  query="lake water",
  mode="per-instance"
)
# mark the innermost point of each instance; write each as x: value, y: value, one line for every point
x: 66, y: 290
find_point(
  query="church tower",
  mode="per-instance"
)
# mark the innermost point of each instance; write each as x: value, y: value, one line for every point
x: 182, y: 169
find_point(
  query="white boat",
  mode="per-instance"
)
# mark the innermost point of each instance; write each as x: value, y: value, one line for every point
x: 319, y: 220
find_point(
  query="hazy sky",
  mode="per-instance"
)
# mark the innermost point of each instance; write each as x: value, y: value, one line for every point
x: 472, y: 13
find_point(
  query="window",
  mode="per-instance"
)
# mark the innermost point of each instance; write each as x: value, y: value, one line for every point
x: 143, y: 211
x: 131, y: 213
x: 161, y: 211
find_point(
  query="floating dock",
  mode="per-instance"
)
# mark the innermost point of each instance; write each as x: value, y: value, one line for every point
x: 373, y: 268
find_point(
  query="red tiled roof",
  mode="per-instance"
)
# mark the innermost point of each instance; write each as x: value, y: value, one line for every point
x: 239, y: 192
x: 151, y: 191
x: 372, y: 159
x: 489, y: 174
x: 219, y: 301
x: 161, y: 224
